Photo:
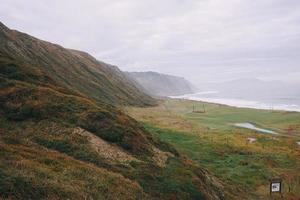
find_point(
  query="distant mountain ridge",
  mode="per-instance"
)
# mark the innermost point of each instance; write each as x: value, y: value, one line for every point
x: 157, y: 84
x: 74, y: 69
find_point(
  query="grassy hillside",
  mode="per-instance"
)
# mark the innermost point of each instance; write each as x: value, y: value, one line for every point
x: 44, y: 157
x: 72, y: 69
x: 211, y: 140
x: 61, y: 139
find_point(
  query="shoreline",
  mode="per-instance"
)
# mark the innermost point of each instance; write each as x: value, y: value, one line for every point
x: 239, y: 103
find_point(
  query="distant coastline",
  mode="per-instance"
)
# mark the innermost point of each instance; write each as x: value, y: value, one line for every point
x: 208, y: 96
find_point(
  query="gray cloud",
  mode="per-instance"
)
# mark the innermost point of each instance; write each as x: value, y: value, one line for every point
x: 204, y: 40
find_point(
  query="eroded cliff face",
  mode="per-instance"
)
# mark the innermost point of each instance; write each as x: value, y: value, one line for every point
x: 163, y: 85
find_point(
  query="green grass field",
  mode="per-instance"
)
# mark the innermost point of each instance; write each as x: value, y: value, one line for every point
x: 211, y: 140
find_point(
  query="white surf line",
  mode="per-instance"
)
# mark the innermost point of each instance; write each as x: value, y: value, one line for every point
x: 239, y: 103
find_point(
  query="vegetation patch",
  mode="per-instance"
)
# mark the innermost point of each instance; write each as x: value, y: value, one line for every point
x: 210, y: 140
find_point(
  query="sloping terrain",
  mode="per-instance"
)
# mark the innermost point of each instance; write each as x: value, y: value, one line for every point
x: 55, y: 127
x: 72, y: 69
x: 157, y: 84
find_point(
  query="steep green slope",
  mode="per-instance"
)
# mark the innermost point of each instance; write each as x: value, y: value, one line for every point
x: 57, y: 142
x: 44, y: 157
x: 73, y: 69
x: 29, y: 171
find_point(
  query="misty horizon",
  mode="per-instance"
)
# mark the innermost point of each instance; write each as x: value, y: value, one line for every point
x: 203, y: 41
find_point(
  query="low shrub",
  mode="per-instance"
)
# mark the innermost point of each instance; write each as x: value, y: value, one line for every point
x: 116, y: 128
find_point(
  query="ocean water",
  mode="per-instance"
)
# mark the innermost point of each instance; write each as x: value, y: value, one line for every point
x: 268, y: 103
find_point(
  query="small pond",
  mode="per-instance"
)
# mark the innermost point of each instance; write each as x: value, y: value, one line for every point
x: 253, y: 127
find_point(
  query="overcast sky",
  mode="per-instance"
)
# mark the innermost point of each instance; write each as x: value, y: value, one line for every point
x: 203, y: 40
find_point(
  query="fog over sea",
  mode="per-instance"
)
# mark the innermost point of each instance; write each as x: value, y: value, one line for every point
x: 286, y: 103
